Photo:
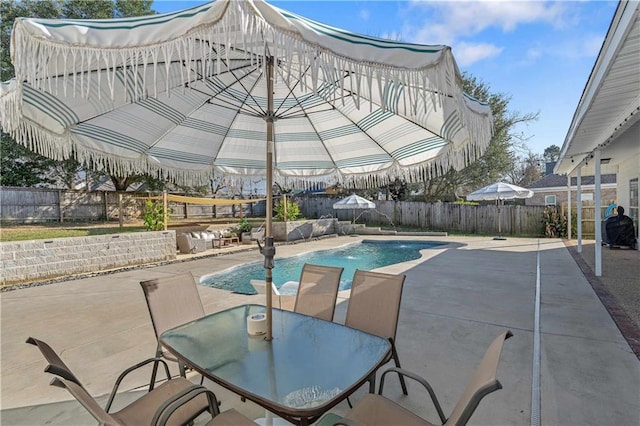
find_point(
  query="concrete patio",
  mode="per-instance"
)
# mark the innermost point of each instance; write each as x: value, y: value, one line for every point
x: 456, y: 300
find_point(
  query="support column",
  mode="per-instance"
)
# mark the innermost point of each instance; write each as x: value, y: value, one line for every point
x: 598, y: 214
x: 579, y: 206
x: 569, y: 206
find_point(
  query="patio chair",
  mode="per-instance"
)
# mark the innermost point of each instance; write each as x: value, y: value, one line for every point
x: 176, y: 401
x: 172, y: 301
x: 261, y: 287
x: 189, y: 245
x: 373, y: 410
x: 374, y: 307
x: 318, y: 291
x: 257, y: 234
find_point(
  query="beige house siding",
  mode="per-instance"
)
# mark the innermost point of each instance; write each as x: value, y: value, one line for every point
x: 609, y: 194
x: 627, y: 170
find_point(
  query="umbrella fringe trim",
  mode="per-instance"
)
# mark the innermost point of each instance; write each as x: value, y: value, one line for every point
x: 411, y: 83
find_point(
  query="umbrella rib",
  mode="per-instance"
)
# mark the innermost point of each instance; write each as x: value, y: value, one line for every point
x: 297, y: 82
x: 229, y: 127
x: 241, y: 102
x: 259, y: 111
x: 307, y: 116
x: 284, y: 112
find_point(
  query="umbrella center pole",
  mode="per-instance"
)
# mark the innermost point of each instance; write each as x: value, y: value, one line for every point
x: 269, y: 252
x: 269, y: 249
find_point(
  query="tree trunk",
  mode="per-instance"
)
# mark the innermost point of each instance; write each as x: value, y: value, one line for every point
x: 120, y: 183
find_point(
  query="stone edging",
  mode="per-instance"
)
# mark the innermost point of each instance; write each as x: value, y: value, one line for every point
x: 629, y: 331
x: 240, y: 249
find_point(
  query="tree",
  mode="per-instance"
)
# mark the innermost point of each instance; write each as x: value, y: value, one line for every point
x: 551, y: 153
x: 19, y: 165
x: 397, y: 190
x: 526, y: 170
x: 65, y: 172
x: 499, y: 157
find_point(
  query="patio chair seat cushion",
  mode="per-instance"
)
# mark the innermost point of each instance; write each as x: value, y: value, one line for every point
x: 376, y: 410
x: 231, y: 418
x: 143, y: 409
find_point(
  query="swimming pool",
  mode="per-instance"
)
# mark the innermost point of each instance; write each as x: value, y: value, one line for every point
x: 365, y: 255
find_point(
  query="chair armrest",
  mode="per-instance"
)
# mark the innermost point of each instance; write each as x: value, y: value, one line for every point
x: 166, y: 410
x: 129, y: 370
x: 419, y: 379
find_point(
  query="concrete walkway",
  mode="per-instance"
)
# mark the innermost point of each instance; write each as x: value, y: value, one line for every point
x: 456, y: 300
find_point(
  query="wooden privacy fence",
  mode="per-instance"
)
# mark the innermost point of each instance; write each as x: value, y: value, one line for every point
x: 33, y: 205
x: 459, y: 218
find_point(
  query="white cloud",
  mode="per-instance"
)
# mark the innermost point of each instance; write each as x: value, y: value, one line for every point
x: 591, y: 45
x: 534, y: 53
x: 365, y: 14
x: 585, y: 46
x: 469, y: 53
x: 454, y: 21
x: 457, y: 18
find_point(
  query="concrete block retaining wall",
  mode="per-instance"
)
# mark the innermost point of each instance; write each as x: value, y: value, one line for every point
x: 24, y: 261
x: 303, y: 229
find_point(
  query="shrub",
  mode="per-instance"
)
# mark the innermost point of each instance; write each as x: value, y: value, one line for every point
x: 243, y: 226
x: 293, y: 211
x: 153, y: 216
x: 555, y: 223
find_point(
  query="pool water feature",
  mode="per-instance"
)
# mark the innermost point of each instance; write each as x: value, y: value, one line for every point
x: 366, y: 255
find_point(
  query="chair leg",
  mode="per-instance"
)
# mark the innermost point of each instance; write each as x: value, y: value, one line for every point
x: 372, y: 387
x: 153, y: 376
x: 394, y: 355
x: 154, y: 372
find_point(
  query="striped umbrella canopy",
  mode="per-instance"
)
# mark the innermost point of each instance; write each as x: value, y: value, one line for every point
x: 499, y: 191
x: 185, y: 94
x: 354, y: 202
x: 242, y: 88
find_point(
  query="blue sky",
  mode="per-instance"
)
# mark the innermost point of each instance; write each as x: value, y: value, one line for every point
x: 539, y: 53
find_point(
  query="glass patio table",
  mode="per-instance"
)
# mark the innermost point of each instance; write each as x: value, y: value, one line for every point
x: 309, y: 366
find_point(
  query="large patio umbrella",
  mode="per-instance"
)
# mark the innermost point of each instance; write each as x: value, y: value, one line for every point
x: 499, y: 192
x: 354, y: 202
x: 240, y: 88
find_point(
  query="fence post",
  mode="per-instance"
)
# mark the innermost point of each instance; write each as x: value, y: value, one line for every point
x: 60, y: 212
x: 284, y: 207
x: 106, y: 206
x: 165, y: 210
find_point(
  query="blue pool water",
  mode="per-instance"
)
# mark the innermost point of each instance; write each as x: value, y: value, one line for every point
x: 367, y: 255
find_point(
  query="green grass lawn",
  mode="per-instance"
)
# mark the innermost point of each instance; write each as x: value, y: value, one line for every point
x: 48, y: 231
x: 45, y: 231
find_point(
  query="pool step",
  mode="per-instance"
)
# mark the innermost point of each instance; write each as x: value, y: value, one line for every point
x: 363, y: 230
